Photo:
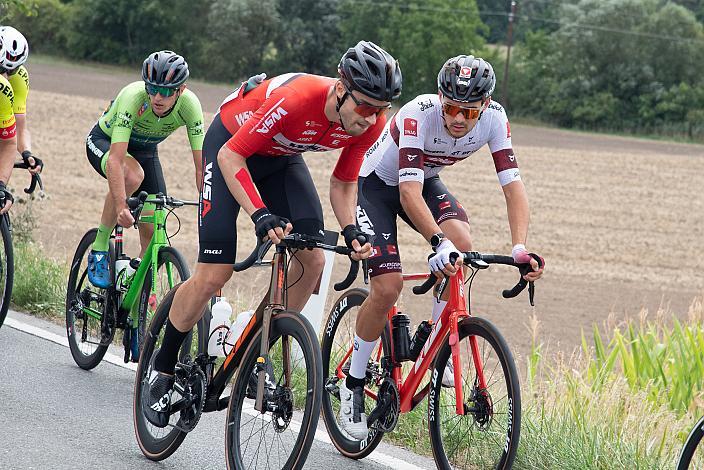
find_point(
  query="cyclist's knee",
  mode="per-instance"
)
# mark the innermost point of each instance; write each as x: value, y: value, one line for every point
x: 385, y: 290
x: 209, y: 278
x: 313, y: 261
x: 134, y: 175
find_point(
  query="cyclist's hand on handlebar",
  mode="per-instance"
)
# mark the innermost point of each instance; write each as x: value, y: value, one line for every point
x: 6, y: 198
x: 439, y: 263
x: 269, y: 225
x: 34, y: 163
x: 124, y: 217
x: 358, y: 241
x: 521, y: 255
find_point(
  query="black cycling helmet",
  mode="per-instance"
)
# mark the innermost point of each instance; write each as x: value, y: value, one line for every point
x: 466, y: 78
x: 372, y: 71
x: 165, y: 68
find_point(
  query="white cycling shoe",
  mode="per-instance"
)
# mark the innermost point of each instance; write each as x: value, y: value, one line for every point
x: 352, y: 418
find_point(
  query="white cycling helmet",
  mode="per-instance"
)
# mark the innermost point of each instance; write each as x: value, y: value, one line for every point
x: 16, y: 48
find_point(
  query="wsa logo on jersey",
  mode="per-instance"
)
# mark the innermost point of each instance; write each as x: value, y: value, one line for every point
x: 272, y: 117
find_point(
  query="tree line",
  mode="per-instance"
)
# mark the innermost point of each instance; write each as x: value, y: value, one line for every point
x: 616, y: 65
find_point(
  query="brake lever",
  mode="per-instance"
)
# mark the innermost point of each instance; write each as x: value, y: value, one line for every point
x: 365, y: 268
x: 531, y: 292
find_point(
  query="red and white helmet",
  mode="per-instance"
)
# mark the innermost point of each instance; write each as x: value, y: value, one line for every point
x: 15, y: 48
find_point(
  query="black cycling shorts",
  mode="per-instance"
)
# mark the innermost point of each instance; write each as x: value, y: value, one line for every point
x: 284, y: 183
x: 380, y: 204
x: 98, y: 147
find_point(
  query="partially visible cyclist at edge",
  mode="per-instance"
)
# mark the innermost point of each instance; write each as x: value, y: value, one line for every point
x: 14, y: 87
x: 400, y: 177
x: 252, y: 160
x: 122, y: 147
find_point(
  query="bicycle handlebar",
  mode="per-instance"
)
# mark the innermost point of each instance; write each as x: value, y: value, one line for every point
x: 482, y: 261
x: 136, y: 203
x: 299, y: 241
x: 36, y: 179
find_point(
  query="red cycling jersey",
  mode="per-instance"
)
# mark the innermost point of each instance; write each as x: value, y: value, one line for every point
x: 286, y: 116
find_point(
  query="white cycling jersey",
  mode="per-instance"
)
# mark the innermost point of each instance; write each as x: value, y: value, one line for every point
x: 415, y: 145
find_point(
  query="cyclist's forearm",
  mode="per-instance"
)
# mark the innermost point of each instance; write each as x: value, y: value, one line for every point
x: 233, y: 167
x: 198, y: 165
x: 7, y: 158
x: 414, y: 205
x: 343, y: 199
x: 24, y: 138
x: 518, y: 211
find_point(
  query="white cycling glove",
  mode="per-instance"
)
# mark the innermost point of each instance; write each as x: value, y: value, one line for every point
x: 442, y: 255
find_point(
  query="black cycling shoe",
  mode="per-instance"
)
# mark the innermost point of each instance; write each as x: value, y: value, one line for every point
x: 254, y: 380
x: 156, y: 396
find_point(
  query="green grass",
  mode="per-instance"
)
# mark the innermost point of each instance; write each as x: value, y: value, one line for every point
x: 40, y: 281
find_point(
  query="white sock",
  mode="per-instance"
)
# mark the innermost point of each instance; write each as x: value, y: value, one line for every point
x: 438, y: 307
x: 360, y: 356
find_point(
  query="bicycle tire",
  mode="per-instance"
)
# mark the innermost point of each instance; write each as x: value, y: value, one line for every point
x: 160, y: 447
x: 690, y: 445
x: 76, y: 279
x: 7, y: 267
x: 487, y: 405
x: 170, y: 255
x: 348, y: 447
x: 294, y: 326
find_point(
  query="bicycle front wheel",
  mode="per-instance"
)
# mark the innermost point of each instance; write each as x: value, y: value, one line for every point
x: 171, y: 270
x: 487, y: 434
x: 7, y: 267
x: 282, y: 435
x: 690, y: 457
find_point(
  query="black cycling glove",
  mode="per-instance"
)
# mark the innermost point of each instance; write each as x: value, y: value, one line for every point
x: 37, y: 161
x: 265, y: 221
x: 351, y: 232
x: 5, y: 195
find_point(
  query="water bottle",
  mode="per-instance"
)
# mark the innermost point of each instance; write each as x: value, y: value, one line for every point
x: 122, y: 271
x: 219, y: 326
x: 419, y: 339
x: 401, y: 336
x: 238, y: 327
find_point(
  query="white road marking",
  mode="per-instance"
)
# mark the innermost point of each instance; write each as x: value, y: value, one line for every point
x: 320, y: 435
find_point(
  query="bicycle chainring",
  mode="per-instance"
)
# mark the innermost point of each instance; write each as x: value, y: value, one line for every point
x: 196, y: 388
x: 389, y: 393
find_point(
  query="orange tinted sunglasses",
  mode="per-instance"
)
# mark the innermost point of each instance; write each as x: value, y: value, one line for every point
x: 454, y: 110
x: 365, y: 109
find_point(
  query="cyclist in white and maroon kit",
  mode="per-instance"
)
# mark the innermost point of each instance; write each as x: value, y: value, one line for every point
x: 400, y: 177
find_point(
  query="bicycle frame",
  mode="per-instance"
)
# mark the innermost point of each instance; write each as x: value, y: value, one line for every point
x: 447, y: 325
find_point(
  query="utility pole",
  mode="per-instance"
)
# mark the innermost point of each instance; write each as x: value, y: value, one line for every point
x: 509, y: 37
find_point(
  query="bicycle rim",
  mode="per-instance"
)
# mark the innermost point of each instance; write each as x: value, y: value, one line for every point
x: 7, y: 268
x: 282, y: 436
x: 692, y: 455
x: 487, y: 435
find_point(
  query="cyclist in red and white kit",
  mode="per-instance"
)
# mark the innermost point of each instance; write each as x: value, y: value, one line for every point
x: 252, y: 160
x: 400, y: 177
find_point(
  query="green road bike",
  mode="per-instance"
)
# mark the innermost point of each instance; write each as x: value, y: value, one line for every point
x: 93, y: 314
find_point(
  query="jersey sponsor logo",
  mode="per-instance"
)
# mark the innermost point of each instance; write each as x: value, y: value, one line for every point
x: 386, y: 235
x: 94, y: 148
x: 392, y: 265
x: 335, y: 142
x: 426, y: 104
x: 313, y: 124
x: 341, y: 136
x: 242, y: 117
x: 310, y: 132
x: 495, y: 106
x: 441, y: 196
x: 305, y: 139
x: 410, y: 127
x: 392, y: 249
x: 142, y: 109
x: 212, y: 252
x: 274, y: 115
x: 438, y: 140
x: 207, y: 190
x: 447, y: 215
x: 508, y: 130
x: 411, y: 157
x: 444, y: 205
x: 376, y: 251
x: 297, y: 147
x: 365, y: 223
x: 7, y: 91
x: 411, y: 174
x: 372, y: 149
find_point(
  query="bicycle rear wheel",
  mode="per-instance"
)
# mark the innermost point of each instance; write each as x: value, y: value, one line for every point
x: 690, y: 456
x: 159, y: 443
x: 280, y: 437
x: 86, y: 308
x: 7, y: 267
x: 172, y: 269
x: 487, y: 435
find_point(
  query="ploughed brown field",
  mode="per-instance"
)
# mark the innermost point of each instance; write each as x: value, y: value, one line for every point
x: 620, y: 221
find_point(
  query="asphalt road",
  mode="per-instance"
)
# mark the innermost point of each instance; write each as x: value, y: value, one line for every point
x: 58, y: 416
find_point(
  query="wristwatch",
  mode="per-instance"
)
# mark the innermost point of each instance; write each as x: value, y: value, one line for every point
x: 436, y: 240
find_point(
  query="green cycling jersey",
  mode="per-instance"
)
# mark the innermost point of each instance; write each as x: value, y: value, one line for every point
x: 130, y: 118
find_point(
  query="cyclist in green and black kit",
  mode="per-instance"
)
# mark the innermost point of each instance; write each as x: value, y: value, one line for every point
x: 122, y: 146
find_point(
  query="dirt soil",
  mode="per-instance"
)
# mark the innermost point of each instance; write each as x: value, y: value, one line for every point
x: 620, y: 221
